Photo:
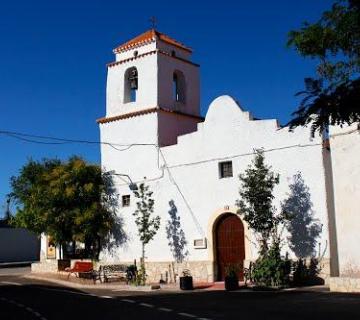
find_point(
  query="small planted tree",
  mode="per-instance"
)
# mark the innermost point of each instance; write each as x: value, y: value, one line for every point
x: 256, y: 196
x: 256, y: 208
x: 147, y: 224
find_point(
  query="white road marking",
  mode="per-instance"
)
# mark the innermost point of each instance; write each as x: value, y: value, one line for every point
x: 184, y: 314
x: 20, y: 305
x: 165, y: 309
x: 66, y: 291
x: 11, y: 283
x: 146, y: 305
x: 106, y: 297
x: 128, y: 300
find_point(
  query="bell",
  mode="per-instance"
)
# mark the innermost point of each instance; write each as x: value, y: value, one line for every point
x: 133, y: 79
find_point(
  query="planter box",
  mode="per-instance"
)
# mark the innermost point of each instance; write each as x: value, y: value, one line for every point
x: 186, y: 283
x: 231, y: 283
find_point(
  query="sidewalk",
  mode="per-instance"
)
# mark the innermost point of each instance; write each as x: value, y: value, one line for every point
x: 73, y: 282
x: 76, y: 283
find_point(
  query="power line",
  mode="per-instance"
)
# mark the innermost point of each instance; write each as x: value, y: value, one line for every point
x: 30, y: 138
x: 171, y: 177
x: 244, y: 155
x: 26, y: 136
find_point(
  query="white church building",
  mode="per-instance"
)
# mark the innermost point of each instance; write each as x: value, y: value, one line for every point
x: 192, y: 163
x: 153, y: 132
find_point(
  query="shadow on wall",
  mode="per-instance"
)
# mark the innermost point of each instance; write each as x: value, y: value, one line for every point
x: 175, y: 235
x: 303, y: 228
x: 116, y: 238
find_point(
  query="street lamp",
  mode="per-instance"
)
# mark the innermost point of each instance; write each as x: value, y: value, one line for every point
x: 132, y: 185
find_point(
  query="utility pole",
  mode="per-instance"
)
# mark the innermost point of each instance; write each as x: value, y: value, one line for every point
x: 7, y: 210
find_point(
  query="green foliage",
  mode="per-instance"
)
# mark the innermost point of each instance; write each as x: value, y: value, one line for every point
x: 146, y: 224
x: 306, y: 274
x: 29, y: 193
x: 333, y: 96
x: 232, y: 270
x: 140, y: 279
x: 270, y: 269
x: 256, y: 196
x: 70, y: 201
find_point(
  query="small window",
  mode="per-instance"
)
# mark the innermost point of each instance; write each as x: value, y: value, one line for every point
x: 126, y: 200
x: 225, y: 169
x: 173, y: 53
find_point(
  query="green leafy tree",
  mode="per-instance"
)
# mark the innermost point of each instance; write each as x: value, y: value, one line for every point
x: 28, y: 193
x: 256, y: 196
x: 332, y: 97
x: 146, y: 224
x: 70, y: 201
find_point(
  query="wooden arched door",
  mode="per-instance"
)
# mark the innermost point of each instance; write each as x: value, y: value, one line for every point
x: 229, y: 244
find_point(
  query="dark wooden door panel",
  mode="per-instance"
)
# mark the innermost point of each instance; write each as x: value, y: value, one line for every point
x: 230, y: 244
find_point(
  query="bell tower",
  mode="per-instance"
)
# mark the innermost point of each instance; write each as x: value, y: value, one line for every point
x: 152, y: 93
x: 152, y: 70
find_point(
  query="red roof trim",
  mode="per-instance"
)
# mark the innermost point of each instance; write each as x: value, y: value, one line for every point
x: 148, y: 37
x: 115, y: 63
x: 146, y: 111
x: 111, y: 64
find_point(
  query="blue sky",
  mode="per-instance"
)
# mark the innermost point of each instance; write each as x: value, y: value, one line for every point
x: 53, y: 56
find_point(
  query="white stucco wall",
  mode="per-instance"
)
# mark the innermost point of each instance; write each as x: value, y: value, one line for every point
x: 147, y: 93
x: 167, y: 66
x: 228, y: 133
x: 345, y: 151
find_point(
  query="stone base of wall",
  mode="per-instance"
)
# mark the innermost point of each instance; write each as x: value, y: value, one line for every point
x: 45, y: 266
x: 344, y: 284
x: 201, y: 271
x: 51, y: 265
x: 168, y: 271
x: 325, y: 270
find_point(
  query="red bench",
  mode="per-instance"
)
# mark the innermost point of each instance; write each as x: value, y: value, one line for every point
x: 80, y: 267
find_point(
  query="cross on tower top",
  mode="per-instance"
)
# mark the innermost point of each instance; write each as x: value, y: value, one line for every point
x: 153, y: 22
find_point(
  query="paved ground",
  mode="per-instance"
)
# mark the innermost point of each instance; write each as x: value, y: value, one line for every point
x: 22, y: 298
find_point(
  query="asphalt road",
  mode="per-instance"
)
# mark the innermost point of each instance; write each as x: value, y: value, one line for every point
x: 32, y: 299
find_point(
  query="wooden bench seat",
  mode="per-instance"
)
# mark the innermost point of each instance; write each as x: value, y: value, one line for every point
x: 114, y: 271
x: 80, y: 267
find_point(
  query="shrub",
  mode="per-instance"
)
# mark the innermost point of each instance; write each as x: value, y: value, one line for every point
x: 271, y: 270
x: 305, y: 275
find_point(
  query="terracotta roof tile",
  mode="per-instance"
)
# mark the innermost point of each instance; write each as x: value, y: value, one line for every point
x: 148, y: 37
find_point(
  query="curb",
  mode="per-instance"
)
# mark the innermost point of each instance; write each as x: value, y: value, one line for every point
x: 115, y: 287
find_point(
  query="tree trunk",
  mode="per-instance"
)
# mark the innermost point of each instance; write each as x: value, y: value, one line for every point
x: 143, y: 254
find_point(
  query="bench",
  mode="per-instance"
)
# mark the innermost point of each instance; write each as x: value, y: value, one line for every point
x: 114, y: 271
x: 81, y: 267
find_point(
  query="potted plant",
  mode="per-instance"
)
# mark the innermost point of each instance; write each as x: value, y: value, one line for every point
x: 186, y: 281
x: 231, y: 277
